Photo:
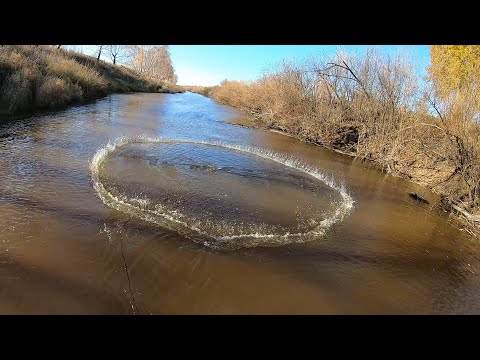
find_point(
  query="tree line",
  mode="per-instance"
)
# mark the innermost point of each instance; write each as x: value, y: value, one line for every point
x: 152, y: 60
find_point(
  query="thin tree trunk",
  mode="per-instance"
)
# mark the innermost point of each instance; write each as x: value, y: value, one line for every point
x: 99, y: 52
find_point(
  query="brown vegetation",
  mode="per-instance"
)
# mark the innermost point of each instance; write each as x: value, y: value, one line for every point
x: 33, y: 77
x: 370, y: 107
x: 202, y: 90
x: 154, y: 61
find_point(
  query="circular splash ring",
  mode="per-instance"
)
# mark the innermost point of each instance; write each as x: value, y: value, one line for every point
x: 164, y: 219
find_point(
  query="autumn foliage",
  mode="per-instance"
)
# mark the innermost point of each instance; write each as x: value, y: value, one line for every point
x: 454, y: 67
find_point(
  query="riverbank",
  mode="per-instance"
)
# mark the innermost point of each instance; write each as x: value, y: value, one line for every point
x: 371, y: 109
x: 467, y: 222
x: 34, y: 78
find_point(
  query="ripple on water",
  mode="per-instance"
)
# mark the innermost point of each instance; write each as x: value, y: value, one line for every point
x: 221, y: 195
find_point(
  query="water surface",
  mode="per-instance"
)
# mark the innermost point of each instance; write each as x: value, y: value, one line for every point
x: 63, y: 250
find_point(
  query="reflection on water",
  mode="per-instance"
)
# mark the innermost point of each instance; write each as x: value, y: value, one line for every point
x: 63, y: 251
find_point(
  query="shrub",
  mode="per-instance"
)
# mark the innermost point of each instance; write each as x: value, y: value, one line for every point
x: 371, y: 107
x: 15, y: 94
x: 55, y: 92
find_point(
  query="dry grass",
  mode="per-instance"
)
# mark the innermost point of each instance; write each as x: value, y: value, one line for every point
x: 73, y: 72
x: 55, y: 92
x: 371, y: 107
x: 202, y: 90
x: 33, y: 77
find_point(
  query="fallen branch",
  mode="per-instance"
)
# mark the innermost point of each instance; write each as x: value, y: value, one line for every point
x: 465, y: 213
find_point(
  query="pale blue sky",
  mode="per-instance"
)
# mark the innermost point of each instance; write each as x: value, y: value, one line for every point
x: 209, y: 64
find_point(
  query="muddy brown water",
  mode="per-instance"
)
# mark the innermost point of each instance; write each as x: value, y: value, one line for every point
x: 63, y: 251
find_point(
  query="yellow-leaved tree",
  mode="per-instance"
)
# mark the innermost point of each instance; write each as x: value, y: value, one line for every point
x: 455, y: 74
x: 454, y: 67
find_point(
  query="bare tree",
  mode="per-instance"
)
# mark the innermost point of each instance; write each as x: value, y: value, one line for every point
x: 153, y: 60
x: 115, y: 52
x: 138, y: 56
x: 131, y: 52
x: 160, y: 64
x: 99, y: 51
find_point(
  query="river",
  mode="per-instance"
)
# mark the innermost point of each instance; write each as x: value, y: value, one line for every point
x: 185, y: 213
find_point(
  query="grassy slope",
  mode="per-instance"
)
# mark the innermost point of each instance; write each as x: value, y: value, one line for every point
x: 41, y: 77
